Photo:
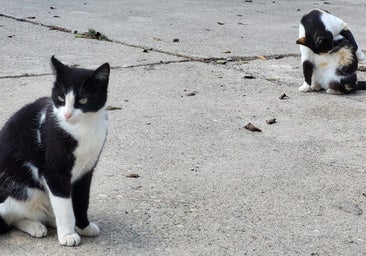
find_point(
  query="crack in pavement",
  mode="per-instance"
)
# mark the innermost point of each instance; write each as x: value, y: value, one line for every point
x: 186, y: 58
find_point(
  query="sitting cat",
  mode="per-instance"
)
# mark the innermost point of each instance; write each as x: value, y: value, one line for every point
x: 48, y: 151
x: 329, y: 54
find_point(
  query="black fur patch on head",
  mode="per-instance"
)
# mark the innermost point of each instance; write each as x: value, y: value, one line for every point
x: 317, y: 38
x: 91, y: 85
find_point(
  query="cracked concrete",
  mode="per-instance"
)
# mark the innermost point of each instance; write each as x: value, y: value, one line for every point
x: 207, y: 186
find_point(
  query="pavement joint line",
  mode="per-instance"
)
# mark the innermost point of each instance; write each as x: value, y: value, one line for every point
x: 202, y: 60
x: 145, y: 48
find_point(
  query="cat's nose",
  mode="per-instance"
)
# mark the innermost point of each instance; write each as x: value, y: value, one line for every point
x: 67, y: 116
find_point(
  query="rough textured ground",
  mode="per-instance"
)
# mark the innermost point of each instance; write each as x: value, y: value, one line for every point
x: 207, y: 186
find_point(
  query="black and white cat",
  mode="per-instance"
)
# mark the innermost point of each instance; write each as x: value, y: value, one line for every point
x: 329, y: 54
x: 48, y: 151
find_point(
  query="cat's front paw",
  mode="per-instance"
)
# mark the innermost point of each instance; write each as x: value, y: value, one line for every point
x: 305, y: 87
x: 90, y: 230
x: 70, y: 240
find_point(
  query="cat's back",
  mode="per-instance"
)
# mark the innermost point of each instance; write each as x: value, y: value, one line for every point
x: 20, y: 131
x: 26, y: 116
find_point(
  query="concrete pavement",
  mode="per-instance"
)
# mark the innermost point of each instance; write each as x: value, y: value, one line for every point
x: 207, y: 186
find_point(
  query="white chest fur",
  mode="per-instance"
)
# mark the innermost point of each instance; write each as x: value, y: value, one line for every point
x: 90, y: 133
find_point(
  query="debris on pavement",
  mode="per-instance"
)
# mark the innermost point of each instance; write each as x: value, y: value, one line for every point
x: 132, y: 175
x: 271, y: 121
x: 252, y: 128
x: 283, y: 96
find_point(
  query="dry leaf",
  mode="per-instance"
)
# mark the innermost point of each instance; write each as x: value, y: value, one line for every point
x: 271, y: 121
x: 261, y: 57
x: 226, y: 52
x: 283, y: 96
x: 113, y: 108
x: 132, y: 175
x: 252, y: 128
x: 249, y: 77
x: 191, y: 94
x: 221, y: 62
x: 60, y: 29
x: 157, y: 39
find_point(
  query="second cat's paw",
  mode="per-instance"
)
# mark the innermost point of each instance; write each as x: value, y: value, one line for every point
x: 70, y: 240
x: 305, y: 88
x: 90, y: 230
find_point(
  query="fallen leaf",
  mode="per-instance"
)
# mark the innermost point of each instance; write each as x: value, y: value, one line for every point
x: 113, y: 108
x: 191, y: 94
x: 283, y: 96
x: 252, y: 128
x: 249, y: 77
x: 261, y: 57
x: 226, y: 52
x: 157, y: 39
x: 221, y: 62
x: 60, y: 29
x: 132, y: 175
x: 271, y: 121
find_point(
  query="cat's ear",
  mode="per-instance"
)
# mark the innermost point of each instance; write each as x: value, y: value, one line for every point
x: 301, y: 40
x: 57, y: 65
x: 102, y: 73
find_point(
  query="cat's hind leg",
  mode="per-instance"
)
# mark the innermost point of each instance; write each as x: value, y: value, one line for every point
x: 347, y: 84
x: 34, y: 228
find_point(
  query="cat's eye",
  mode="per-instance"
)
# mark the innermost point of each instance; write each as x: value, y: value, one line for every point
x: 83, y: 101
x: 60, y: 99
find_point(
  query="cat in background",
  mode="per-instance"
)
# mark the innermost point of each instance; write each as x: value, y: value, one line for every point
x: 48, y: 151
x: 329, y: 54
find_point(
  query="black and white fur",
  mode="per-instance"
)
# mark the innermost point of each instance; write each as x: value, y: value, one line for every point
x: 329, y: 54
x: 48, y: 151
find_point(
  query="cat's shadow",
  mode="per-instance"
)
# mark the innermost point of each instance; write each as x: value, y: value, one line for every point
x: 117, y: 232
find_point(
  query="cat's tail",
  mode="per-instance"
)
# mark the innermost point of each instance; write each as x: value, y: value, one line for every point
x: 4, y: 227
x: 361, y: 85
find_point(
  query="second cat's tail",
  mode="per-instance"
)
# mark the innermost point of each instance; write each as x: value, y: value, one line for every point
x: 361, y: 85
x: 4, y: 227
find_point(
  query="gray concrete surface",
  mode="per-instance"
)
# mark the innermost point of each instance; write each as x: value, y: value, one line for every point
x: 207, y: 186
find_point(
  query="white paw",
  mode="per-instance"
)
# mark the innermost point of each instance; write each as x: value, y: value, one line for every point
x: 31, y: 227
x: 70, y: 240
x: 334, y: 92
x: 37, y: 229
x: 90, y: 230
x: 305, y: 88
